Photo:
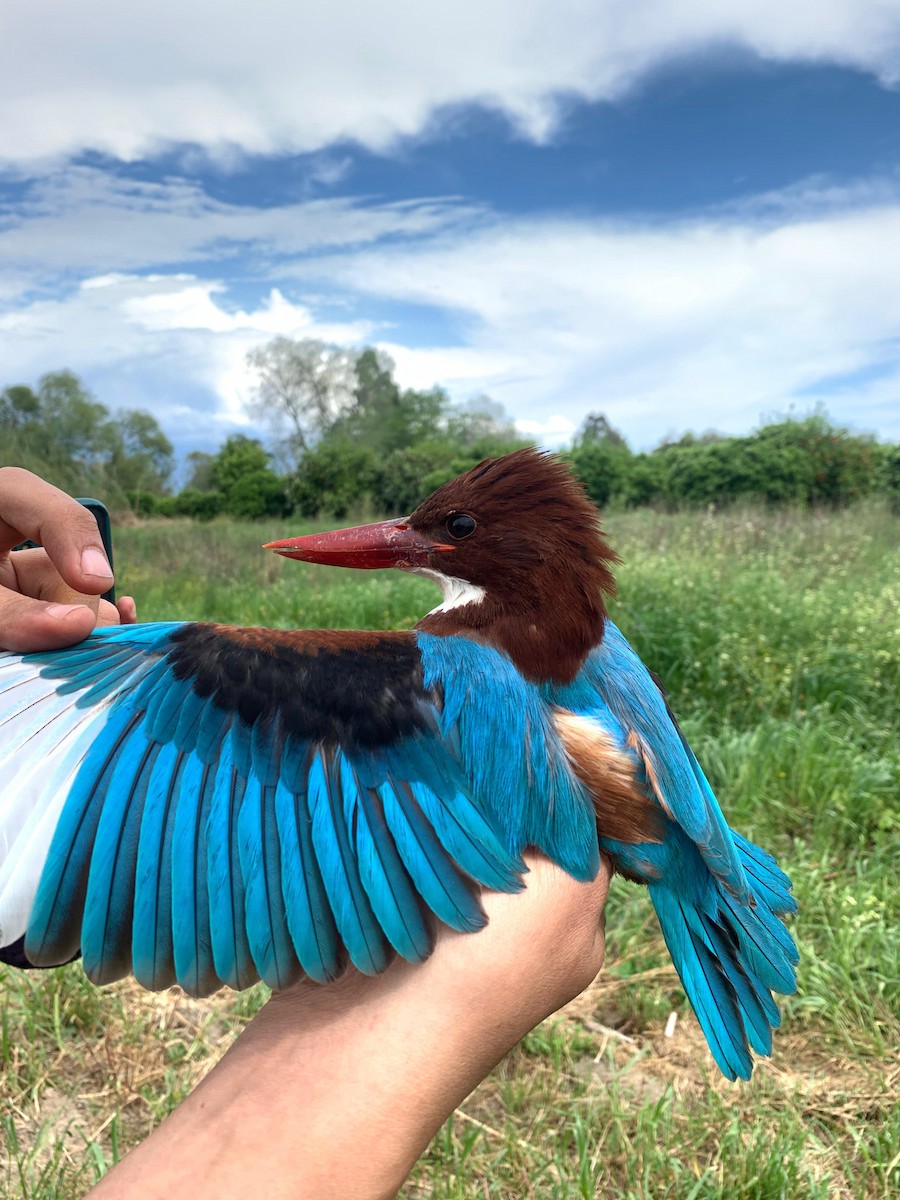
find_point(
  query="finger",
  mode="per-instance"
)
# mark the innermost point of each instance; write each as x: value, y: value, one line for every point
x: 28, y: 625
x: 123, y: 612
x: 32, y: 508
x: 127, y: 610
x: 33, y: 574
x: 108, y: 614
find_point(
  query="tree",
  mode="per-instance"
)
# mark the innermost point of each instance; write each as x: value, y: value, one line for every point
x: 200, y: 466
x: 73, y: 425
x: 602, y: 459
x: 141, y: 457
x: 384, y: 417
x: 596, y: 428
x: 482, y: 421
x: 18, y: 406
x: 304, y: 387
x: 247, y: 483
x: 334, y: 478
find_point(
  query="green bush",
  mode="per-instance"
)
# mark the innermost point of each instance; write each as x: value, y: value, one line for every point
x: 333, y: 479
x: 806, y: 462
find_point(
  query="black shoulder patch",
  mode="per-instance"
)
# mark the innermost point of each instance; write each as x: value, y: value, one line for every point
x: 335, y: 687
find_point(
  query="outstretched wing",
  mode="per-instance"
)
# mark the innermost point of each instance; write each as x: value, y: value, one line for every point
x: 209, y: 804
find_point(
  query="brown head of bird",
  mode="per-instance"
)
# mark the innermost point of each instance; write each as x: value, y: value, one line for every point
x: 516, y: 547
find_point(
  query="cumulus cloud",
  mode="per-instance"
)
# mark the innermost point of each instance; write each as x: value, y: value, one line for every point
x: 282, y: 78
x: 704, y: 323
x: 166, y: 343
x: 716, y: 321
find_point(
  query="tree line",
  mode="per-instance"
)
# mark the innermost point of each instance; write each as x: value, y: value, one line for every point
x: 345, y: 438
x: 59, y: 430
x: 804, y: 461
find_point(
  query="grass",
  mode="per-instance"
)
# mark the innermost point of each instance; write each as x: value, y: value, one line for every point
x: 777, y: 636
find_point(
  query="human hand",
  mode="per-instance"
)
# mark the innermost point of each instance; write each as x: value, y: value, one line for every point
x: 50, y: 596
x: 335, y: 1091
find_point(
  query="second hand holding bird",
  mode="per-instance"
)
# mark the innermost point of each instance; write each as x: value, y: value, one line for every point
x: 335, y: 1092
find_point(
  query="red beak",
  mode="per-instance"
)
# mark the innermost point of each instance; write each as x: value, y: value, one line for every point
x: 384, y: 544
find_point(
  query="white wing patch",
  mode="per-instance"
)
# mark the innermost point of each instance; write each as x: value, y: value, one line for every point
x: 44, y: 737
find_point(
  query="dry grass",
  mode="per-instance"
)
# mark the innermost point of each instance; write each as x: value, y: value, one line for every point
x: 579, y: 1109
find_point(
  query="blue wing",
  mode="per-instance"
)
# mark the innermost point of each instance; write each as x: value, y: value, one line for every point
x: 212, y: 805
x: 720, y: 899
x: 616, y: 678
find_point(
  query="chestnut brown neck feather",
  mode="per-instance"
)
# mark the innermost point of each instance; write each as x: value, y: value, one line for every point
x: 539, y: 555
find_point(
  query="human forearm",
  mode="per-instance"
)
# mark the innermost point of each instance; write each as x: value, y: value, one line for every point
x: 335, y: 1092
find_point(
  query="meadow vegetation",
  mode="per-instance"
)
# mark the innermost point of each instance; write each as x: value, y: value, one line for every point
x: 777, y: 634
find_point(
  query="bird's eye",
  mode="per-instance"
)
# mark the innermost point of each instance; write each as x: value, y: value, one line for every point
x: 460, y: 525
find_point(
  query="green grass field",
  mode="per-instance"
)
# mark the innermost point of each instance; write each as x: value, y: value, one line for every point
x: 778, y: 638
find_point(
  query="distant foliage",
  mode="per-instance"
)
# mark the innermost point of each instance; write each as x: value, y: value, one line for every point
x: 242, y: 475
x: 383, y: 448
x: 803, y: 462
x: 61, y: 432
x: 889, y: 476
x: 350, y: 441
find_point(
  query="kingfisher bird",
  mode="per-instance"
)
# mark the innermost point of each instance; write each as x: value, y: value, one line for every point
x: 210, y: 804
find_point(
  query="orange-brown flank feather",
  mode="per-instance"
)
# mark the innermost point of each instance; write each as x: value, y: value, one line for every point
x: 624, y: 809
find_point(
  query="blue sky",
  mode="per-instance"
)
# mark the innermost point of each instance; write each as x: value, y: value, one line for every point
x: 685, y: 216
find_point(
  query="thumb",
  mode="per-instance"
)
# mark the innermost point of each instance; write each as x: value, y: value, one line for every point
x: 27, y: 625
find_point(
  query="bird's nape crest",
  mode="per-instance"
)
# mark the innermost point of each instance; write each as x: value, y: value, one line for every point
x: 535, y: 489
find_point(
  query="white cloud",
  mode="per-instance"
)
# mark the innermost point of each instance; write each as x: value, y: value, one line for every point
x: 555, y: 430
x: 709, y: 323
x: 82, y: 219
x: 163, y: 343
x: 715, y: 321
x: 128, y: 79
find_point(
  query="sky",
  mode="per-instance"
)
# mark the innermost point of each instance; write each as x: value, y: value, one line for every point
x: 683, y: 215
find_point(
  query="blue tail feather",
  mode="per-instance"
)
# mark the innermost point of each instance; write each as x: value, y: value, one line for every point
x: 770, y: 882
x: 730, y: 956
x: 758, y: 1011
x: 712, y: 999
x: 767, y: 957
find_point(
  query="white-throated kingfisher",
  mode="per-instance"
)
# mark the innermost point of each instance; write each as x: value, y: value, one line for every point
x: 207, y: 804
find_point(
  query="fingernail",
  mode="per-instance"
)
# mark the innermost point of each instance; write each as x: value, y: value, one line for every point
x: 94, y: 562
x: 61, y: 611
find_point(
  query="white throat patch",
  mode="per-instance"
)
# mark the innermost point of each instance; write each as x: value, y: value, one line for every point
x: 457, y: 592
